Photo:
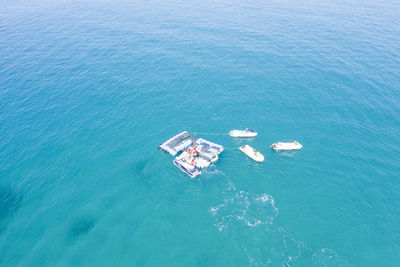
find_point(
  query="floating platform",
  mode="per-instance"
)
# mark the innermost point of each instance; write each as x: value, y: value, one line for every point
x: 197, y: 153
x: 176, y: 143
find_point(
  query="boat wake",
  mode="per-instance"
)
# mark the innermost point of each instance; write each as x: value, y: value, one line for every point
x: 246, y: 209
x: 249, y: 220
x: 211, y: 171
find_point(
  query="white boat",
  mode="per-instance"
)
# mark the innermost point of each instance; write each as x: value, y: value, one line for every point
x: 186, y: 164
x: 243, y: 133
x: 252, y: 153
x: 292, y: 145
x: 201, y: 163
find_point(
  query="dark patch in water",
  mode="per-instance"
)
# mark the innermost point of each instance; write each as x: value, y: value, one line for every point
x: 141, y: 171
x: 10, y: 200
x: 206, y: 260
x: 81, y: 227
x: 140, y: 262
x: 140, y: 167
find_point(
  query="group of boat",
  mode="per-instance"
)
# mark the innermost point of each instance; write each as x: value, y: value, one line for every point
x: 256, y: 155
x: 197, y: 153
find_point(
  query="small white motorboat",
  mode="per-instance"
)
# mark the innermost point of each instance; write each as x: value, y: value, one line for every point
x: 187, y: 168
x: 187, y: 164
x: 243, y: 133
x: 252, y: 153
x: 292, y: 145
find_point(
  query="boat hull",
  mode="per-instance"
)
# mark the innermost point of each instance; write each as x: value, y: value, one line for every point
x: 240, y: 133
x: 183, y: 166
x: 252, y: 153
x: 280, y: 146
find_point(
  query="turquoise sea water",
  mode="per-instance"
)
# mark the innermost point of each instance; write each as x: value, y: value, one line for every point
x: 89, y: 89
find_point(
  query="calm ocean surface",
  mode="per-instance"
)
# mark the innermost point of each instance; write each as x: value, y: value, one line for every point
x: 89, y: 89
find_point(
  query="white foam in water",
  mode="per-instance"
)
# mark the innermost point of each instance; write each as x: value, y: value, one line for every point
x: 249, y: 219
x: 211, y: 171
x: 328, y: 257
x: 250, y: 210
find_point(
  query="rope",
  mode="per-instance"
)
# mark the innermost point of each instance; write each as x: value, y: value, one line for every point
x: 195, y: 133
x: 231, y: 148
x: 225, y: 148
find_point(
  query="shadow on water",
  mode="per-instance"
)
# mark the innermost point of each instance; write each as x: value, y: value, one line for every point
x: 140, y: 166
x: 80, y: 227
x: 10, y: 201
x: 290, y: 154
x: 207, y: 260
x: 140, y: 170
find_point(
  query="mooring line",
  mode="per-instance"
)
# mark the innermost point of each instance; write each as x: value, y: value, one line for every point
x: 195, y: 133
x: 231, y: 148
